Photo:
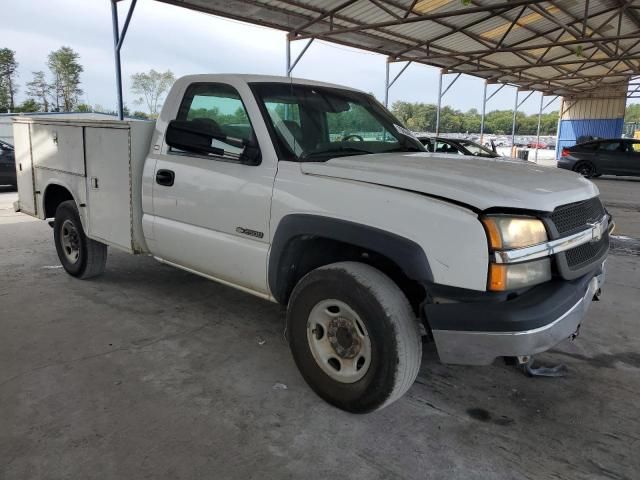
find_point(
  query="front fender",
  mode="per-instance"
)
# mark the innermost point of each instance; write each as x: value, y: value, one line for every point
x: 405, y: 253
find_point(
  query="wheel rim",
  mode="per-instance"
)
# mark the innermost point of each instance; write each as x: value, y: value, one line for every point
x: 70, y: 241
x: 339, y: 341
x: 585, y: 170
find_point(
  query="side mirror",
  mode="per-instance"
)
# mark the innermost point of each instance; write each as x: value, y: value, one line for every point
x: 197, y: 136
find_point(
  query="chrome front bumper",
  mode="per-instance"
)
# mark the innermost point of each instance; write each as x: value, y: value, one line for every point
x: 482, y: 348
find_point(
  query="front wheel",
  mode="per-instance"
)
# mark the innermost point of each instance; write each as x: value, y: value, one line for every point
x: 80, y: 256
x: 354, y: 336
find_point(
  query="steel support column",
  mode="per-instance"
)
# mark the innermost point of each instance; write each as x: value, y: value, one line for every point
x: 118, y: 38
x: 513, y: 125
x: 542, y: 108
x: 439, y: 104
x: 442, y: 94
x: 287, y: 68
x: 484, y: 106
x: 538, y: 130
x: 388, y: 84
x: 290, y: 66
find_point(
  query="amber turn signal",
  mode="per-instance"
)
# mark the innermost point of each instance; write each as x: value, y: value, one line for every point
x: 497, y: 277
x: 493, y: 233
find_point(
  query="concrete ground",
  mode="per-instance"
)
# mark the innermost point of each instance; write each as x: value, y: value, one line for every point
x: 151, y: 372
x: 622, y: 196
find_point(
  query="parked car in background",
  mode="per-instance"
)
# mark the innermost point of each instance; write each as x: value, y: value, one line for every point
x: 535, y: 144
x: 457, y: 146
x: 7, y: 164
x: 617, y: 156
x: 498, y: 142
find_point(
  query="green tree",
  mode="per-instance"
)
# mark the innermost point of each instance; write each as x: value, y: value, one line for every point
x: 632, y: 113
x: 84, y: 108
x: 421, y: 117
x: 40, y: 90
x: 151, y: 86
x: 28, y: 106
x: 8, y: 74
x: 66, y: 70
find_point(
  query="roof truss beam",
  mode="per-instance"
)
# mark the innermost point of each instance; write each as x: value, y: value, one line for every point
x: 424, y: 18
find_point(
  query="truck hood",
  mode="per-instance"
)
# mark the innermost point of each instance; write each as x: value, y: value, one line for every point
x: 475, y: 181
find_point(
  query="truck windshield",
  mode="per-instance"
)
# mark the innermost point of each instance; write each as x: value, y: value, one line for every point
x: 314, y: 123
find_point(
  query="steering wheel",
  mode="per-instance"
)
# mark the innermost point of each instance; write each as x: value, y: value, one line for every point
x: 353, y: 135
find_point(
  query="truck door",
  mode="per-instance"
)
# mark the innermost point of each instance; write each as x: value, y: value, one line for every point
x: 632, y: 162
x: 211, y: 212
x: 611, y: 156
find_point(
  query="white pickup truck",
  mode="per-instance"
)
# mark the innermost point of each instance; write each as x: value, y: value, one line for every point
x: 314, y: 196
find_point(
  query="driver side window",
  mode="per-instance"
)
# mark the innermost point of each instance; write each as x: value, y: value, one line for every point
x: 218, y: 108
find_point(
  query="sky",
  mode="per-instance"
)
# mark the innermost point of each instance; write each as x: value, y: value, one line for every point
x: 165, y: 37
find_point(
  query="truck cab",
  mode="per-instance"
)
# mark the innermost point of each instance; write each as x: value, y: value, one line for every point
x: 314, y: 196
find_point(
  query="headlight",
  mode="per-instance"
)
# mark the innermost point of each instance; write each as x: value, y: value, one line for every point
x: 508, y: 232
x: 513, y: 232
x: 518, y: 275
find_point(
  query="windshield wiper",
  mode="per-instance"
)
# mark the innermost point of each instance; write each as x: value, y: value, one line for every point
x: 334, y: 152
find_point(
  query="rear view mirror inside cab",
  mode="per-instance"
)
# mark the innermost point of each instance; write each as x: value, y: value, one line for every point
x: 324, y: 103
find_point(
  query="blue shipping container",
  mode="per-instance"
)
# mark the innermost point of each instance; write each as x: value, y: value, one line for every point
x: 570, y: 130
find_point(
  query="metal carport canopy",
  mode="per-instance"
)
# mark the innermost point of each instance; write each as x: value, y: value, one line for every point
x: 558, y: 47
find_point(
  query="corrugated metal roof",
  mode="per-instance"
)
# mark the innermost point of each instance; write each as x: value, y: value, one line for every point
x: 546, y: 44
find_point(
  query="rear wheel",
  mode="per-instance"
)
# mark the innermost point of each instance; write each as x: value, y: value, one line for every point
x: 586, y: 169
x: 354, y: 336
x: 80, y: 256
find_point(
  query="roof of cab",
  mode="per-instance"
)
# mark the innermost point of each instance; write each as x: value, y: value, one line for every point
x: 250, y: 78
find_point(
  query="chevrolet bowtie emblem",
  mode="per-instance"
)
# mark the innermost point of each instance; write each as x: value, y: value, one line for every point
x: 597, y: 229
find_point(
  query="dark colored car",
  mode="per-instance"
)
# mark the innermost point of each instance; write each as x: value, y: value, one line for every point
x: 7, y: 164
x: 456, y: 145
x: 616, y: 156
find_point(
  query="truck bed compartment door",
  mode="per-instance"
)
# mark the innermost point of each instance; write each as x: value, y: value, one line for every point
x: 58, y: 147
x: 109, y: 186
x: 24, y: 167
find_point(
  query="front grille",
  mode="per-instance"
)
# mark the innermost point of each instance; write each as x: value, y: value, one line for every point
x: 575, y: 216
x: 584, y: 254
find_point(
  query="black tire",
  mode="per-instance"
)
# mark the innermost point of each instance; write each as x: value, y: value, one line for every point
x: 91, y: 255
x: 391, y: 327
x: 586, y: 169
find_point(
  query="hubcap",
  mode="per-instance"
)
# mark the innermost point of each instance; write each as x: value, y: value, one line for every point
x: 339, y: 341
x: 70, y: 241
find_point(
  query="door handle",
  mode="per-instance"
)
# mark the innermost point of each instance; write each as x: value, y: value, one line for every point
x: 165, y: 177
